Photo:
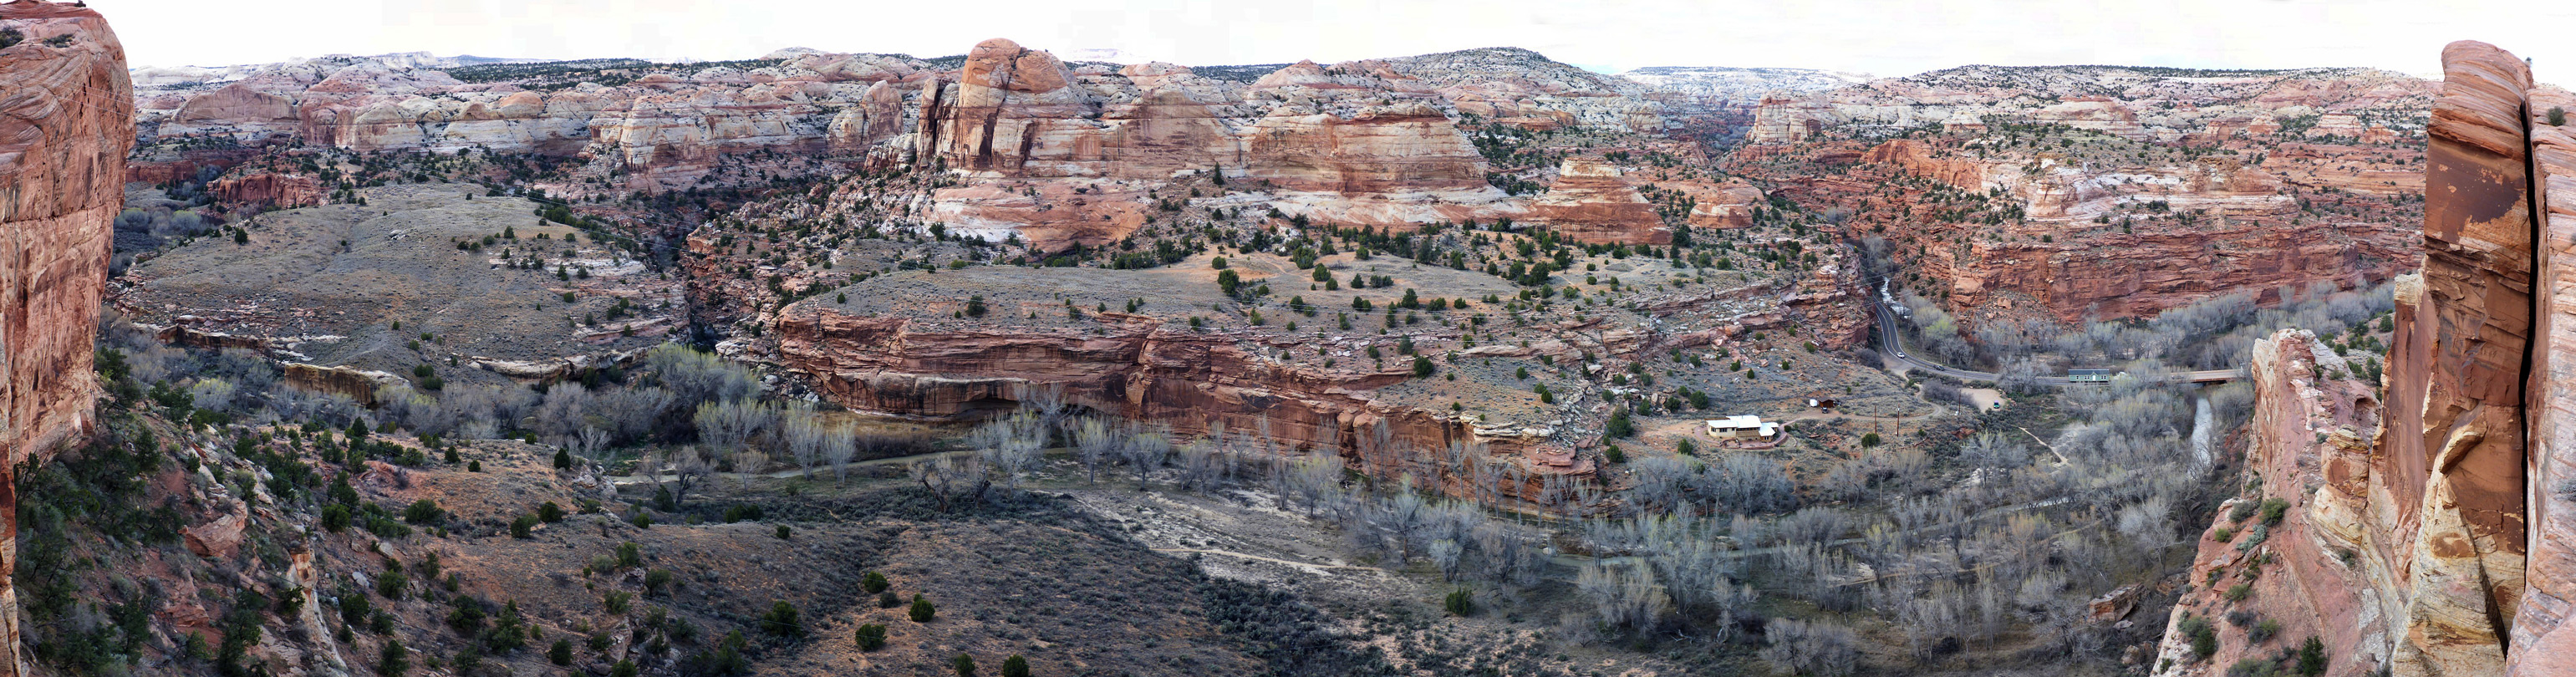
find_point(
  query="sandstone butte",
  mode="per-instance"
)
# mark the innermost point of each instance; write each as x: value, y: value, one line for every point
x: 62, y: 159
x: 2432, y: 532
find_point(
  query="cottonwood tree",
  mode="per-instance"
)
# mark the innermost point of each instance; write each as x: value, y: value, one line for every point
x: 1010, y: 445
x: 686, y: 465
x: 633, y: 413
x: 1315, y: 479
x: 1094, y: 441
x: 949, y: 477
x: 590, y: 444
x: 1144, y: 451
x: 747, y: 465
x: 1817, y: 649
x: 808, y: 435
x: 695, y: 377
x: 565, y: 410
x: 729, y: 425
x: 839, y: 445
x: 1622, y: 596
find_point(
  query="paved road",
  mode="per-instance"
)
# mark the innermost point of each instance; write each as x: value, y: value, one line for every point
x: 1893, y: 345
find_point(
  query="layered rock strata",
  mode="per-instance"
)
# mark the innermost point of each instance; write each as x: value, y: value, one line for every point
x: 2441, y: 545
x: 2088, y: 240
x: 63, y: 140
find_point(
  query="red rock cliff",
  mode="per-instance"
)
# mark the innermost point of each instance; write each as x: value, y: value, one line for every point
x: 2452, y: 548
x: 66, y: 122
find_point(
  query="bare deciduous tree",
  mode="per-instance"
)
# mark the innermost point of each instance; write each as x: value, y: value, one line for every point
x: 1094, y: 440
x: 808, y: 435
x: 747, y: 465
x: 1144, y: 451
x: 839, y: 446
x: 729, y: 425
x: 1819, y: 649
x: 947, y: 476
x: 1622, y: 596
x: 1316, y: 478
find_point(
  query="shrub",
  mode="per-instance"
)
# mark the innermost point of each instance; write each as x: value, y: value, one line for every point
x: 784, y: 532
x: 2222, y: 534
x: 922, y: 609
x: 782, y: 620
x: 394, y: 660
x: 424, y: 511
x: 966, y: 664
x: 742, y: 513
x: 1015, y: 666
x: 888, y: 600
x: 549, y: 512
x: 523, y: 527
x: 560, y: 653
x: 630, y: 555
x: 2204, y: 639
x: 625, y: 668
x: 1422, y: 366
x: 1868, y: 440
x: 2312, y: 657
x: 1460, y: 602
x: 2240, y: 591
x: 2273, y: 509
x: 874, y: 582
x: 2243, y: 509
x: 870, y: 637
x: 617, y: 601
x: 1619, y: 427
x: 655, y: 581
x: 335, y: 518
x: 563, y: 459
x: 391, y: 584
x: 2253, y: 667
x: 2264, y: 631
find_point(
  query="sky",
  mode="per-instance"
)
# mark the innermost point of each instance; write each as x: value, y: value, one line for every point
x: 1878, y: 37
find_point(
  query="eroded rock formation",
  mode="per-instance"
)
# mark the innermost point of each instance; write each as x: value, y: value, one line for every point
x: 2441, y: 544
x: 63, y: 142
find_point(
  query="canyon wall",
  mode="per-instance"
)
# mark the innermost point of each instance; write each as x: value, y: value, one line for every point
x: 67, y: 125
x: 2442, y: 545
x: 2087, y: 243
x: 1141, y: 368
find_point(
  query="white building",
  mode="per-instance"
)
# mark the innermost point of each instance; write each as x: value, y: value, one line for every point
x: 1741, y: 427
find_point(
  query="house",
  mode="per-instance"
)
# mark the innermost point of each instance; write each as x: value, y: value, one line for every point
x: 1741, y: 427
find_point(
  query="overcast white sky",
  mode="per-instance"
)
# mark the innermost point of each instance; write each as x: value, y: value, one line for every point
x: 1878, y: 37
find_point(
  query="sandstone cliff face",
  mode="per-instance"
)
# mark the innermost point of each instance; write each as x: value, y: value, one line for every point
x: 2457, y: 370
x: 2453, y: 549
x: 2110, y: 240
x: 63, y: 142
x: 273, y: 190
x: 2324, y: 569
x: 1135, y: 367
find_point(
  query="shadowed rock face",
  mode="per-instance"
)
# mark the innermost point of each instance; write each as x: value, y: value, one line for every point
x: 63, y: 139
x: 2453, y: 549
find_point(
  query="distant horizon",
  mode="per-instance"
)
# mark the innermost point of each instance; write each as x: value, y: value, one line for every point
x: 1594, y: 68
x: 1882, y: 38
